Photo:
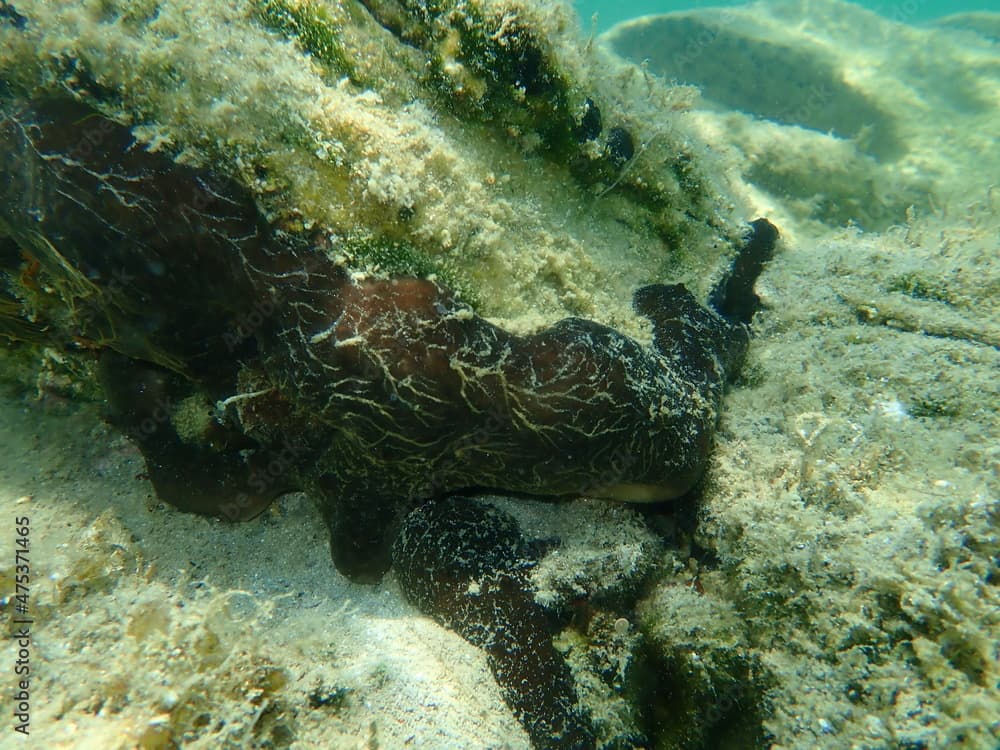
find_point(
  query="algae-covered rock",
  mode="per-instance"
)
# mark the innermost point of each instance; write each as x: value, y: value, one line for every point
x: 848, y: 117
x: 699, y: 655
x: 982, y: 23
x: 844, y: 581
x: 451, y: 131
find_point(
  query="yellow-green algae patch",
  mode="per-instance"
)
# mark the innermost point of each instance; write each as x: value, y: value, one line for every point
x: 336, y: 123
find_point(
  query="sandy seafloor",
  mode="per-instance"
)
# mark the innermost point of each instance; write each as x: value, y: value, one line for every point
x: 851, y: 505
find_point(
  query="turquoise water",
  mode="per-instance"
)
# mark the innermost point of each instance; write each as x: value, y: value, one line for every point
x: 610, y: 12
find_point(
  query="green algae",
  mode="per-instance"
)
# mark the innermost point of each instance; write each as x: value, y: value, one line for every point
x: 400, y: 258
x: 312, y: 24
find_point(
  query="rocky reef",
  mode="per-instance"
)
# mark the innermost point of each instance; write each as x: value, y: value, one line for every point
x: 452, y: 143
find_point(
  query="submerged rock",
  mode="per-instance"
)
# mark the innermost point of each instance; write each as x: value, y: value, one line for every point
x: 847, y: 117
x: 431, y: 141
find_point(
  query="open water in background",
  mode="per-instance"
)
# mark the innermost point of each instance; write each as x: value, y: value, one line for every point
x: 611, y: 12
